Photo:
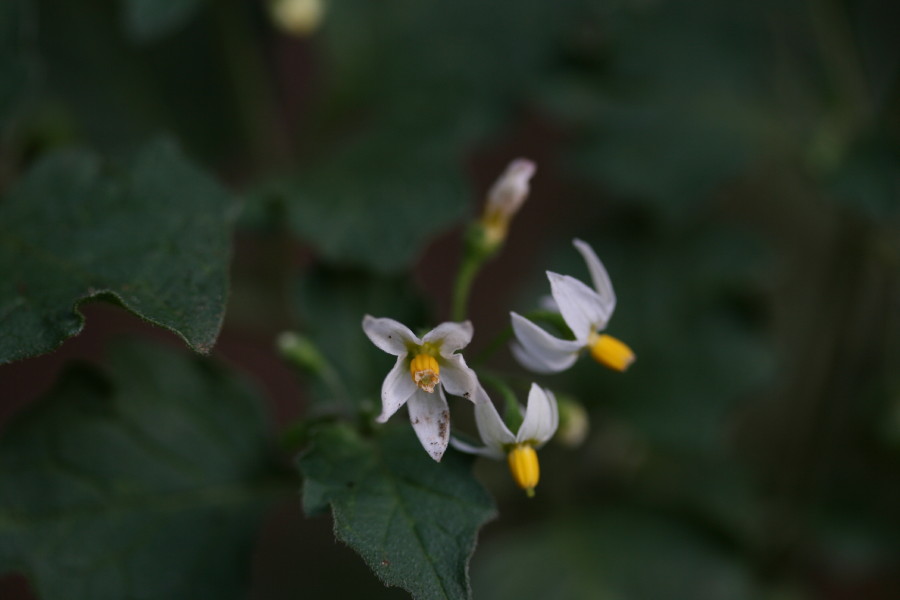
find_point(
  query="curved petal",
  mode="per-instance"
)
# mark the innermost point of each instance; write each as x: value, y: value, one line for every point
x: 479, y: 450
x: 450, y: 336
x: 538, y: 425
x: 493, y: 431
x: 598, y: 275
x: 458, y: 378
x: 582, y: 309
x: 531, y: 363
x: 430, y: 418
x: 398, y: 386
x: 542, y: 350
x: 389, y: 335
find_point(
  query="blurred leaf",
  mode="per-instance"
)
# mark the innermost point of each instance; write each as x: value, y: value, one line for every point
x: 613, y: 556
x: 16, y: 56
x: 330, y: 306
x: 374, y: 208
x: 679, y: 97
x: 146, y: 20
x: 153, y: 233
x: 413, y: 520
x: 868, y: 179
x: 119, y: 93
x: 144, y: 480
x: 410, y: 88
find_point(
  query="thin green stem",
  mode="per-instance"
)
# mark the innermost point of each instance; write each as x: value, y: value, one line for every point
x: 469, y: 268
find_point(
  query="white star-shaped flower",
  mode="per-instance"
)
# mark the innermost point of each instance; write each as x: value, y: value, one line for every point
x: 586, y: 311
x: 540, y: 422
x: 425, y: 368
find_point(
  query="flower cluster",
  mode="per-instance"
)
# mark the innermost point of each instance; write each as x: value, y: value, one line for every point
x: 431, y: 365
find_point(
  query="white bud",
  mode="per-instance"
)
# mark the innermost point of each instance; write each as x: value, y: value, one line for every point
x: 297, y: 17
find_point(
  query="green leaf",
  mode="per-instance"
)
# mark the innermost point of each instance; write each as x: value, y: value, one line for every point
x: 16, y: 56
x: 146, y: 20
x: 145, y: 480
x: 413, y: 520
x: 152, y: 233
x: 369, y: 208
x: 609, y: 554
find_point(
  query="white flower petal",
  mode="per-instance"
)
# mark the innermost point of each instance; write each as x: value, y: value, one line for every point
x: 538, y: 425
x: 479, y: 450
x: 511, y: 188
x: 458, y: 378
x: 389, y: 335
x: 554, y: 417
x: 548, y: 303
x: 598, y: 275
x: 450, y: 336
x: 493, y: 431
x: 398, y: 386
x: 581, y: 308
x: 531, y: 363
x: 542, y: 350
x: 430, y: 418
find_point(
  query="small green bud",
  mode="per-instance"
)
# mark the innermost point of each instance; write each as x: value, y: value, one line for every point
x: 301, y: 352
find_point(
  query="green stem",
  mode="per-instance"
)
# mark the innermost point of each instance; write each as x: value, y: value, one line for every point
x: 464, y: 278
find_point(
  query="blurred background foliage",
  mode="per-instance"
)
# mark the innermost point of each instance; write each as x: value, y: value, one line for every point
x: 736, y: 166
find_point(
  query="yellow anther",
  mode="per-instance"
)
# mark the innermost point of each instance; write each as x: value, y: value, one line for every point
x: 425, y: 371
x: 523, y: 463
x: 611, y: 352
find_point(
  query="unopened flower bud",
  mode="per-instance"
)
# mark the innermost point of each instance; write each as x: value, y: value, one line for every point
x: 505, y: 198
x: 297, y: 17
x: 301, y: 352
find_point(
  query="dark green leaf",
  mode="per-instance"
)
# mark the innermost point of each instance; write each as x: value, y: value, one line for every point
x: 375, y: 209
x: 613, y: 554
x: 16, y: 55
x: 153, y: 234
x: 142, y: 481
x: 149, y: 19
x: 413, y: 520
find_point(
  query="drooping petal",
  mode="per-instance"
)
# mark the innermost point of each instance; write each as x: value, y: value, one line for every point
x: 598, y: 275
x: 398, y: 386
x: 458, y: 378
x: 580, y: 306
x: 479, y: 450
x: 535, y: 365
x: 538, y: 425
x: 540, y: 349
x: 493, y: 431
x: 450, y: 336
x: 389, y: 335
x: 430, y: 418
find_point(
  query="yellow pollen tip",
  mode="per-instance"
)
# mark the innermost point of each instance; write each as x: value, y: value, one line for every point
x: 611, y: 352
x: 425, y: 371
x: 523, y: 464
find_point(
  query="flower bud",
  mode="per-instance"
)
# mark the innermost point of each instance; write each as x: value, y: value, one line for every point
x: 297, y: 17
x: 301, y: 352
x: 505, y: 198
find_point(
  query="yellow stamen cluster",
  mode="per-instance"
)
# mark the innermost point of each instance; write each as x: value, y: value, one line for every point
x: 425, y: 371
x: 523, y: 463
x: 611, y: 352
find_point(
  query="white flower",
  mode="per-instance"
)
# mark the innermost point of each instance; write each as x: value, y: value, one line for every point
x: 425, y: 367
x: 538, y: 425
x: 586, y: 311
